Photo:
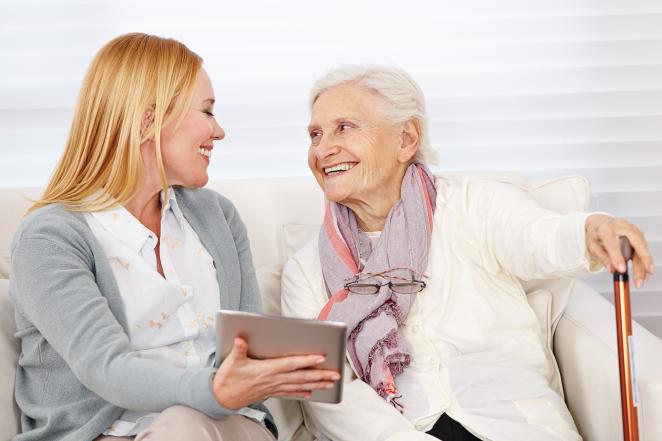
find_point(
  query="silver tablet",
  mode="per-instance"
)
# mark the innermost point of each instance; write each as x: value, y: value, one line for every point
x: 273, y: 337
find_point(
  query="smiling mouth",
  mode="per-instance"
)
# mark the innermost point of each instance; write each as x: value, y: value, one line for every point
x: 339, y: 168
x: 204, y: 152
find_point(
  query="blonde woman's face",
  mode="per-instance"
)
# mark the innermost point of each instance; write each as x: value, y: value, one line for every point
x: 187, y: 150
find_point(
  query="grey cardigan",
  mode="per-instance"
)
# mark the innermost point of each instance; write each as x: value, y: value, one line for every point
x: 77, y: 370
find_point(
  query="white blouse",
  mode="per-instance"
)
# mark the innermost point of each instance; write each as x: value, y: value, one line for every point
x: 170, y: 318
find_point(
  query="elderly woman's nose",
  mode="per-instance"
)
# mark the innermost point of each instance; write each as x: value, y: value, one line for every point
x: 326, y: 147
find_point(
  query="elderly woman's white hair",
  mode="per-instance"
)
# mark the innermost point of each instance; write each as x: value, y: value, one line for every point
x: 403, y: 96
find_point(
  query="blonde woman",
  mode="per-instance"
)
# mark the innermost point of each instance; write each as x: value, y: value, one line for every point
x: 120, y: 266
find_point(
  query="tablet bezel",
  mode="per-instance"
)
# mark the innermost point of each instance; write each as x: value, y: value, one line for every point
x: 274, y: 336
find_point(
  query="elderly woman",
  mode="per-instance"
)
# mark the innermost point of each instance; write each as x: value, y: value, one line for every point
x: 424, y: 271
x: 122, y: 264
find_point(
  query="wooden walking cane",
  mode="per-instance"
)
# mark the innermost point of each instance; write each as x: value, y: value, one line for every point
x: 629, y: 394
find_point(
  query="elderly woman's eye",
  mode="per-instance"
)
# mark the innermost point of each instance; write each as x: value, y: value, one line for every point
x: 315, y: 134
x: 344, y: 126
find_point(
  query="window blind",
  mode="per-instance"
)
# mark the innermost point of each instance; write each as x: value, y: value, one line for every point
x: 540, y: 88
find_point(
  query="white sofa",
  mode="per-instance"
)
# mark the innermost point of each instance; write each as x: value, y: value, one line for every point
x: 282, y: 213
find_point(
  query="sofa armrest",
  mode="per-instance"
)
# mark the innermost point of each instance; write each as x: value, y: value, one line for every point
x: 586, y: 351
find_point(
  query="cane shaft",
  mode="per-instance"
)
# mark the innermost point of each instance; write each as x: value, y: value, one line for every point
x: 626, y: 370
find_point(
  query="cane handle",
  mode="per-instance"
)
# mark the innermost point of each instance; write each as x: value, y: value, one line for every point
x: 626, y: 248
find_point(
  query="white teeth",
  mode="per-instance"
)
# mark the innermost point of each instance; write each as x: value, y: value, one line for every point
x: 205, y: 152
x: 338, y: 168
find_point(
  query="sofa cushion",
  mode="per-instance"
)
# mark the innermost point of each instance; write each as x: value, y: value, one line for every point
x: 268, y: 279
x: 295, y: 236
x: 9, y: 347
x: 540, y: 302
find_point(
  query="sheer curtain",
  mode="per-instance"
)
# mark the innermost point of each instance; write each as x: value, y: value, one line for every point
x: 543, y: 88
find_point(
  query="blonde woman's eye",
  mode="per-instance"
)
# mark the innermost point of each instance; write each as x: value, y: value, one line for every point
x: 208, y: 113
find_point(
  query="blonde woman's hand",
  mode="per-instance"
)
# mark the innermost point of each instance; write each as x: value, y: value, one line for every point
x: 240, y: 380
x: 603, y: 234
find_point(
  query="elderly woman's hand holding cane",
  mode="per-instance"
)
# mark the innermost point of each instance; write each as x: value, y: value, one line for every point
x: 614, y: 242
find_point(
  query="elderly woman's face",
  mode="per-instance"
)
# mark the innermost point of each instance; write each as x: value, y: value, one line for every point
x: 354, y: 147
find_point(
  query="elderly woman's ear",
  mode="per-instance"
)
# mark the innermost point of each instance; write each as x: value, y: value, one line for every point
x: 411, y: 135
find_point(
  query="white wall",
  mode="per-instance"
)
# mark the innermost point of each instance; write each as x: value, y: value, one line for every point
x: 544, y: 88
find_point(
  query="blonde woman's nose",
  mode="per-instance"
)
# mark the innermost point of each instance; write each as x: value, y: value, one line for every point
x: 218, y: 133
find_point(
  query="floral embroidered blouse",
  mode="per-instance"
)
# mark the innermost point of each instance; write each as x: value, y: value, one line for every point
x: 171, y: 317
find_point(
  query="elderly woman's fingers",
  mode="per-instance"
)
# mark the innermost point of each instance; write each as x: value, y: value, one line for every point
x: 599, y: 254
x: 605, y: 238
x: 642, y: 259
x: 641, y: 250
x: 597, y: 229
x: 639, y: 269
x: 604, y: 244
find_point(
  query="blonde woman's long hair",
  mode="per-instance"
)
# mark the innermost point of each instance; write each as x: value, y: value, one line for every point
x: 130, y: 74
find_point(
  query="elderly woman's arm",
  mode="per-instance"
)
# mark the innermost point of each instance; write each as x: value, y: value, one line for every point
x: 531, y: 242
x: 362, y: 414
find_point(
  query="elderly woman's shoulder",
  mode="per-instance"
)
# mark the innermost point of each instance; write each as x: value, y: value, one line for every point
x: 480, y: 178
x: 480, y: 181
x: 468, y: 191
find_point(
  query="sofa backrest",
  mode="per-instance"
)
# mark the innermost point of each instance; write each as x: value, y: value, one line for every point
x: 265, y: 204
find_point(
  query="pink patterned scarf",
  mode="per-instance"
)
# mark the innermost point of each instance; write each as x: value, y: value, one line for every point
x: 375, y: 347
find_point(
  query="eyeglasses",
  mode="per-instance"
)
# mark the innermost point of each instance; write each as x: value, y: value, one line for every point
x: 411, y: 287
